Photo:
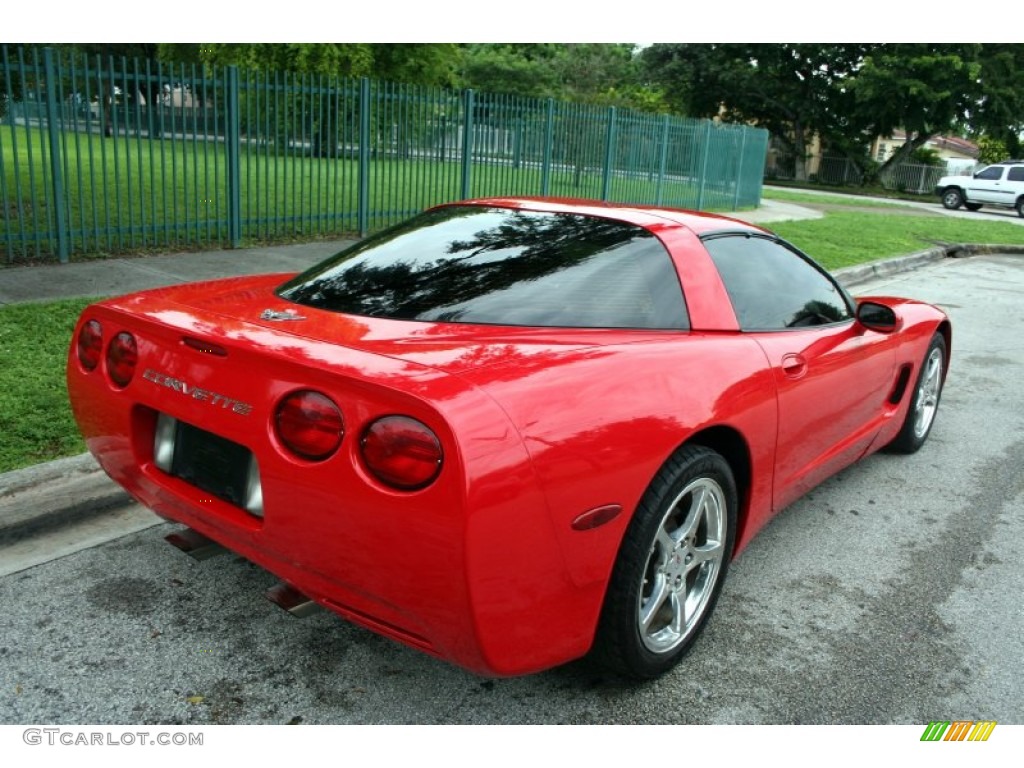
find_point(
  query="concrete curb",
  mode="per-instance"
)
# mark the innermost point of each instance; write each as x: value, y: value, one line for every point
x: 963, y: 250
x: 56, y: 493
x: 861, y: 273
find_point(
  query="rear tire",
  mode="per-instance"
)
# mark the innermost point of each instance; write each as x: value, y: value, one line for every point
x: 671, y: 565
x: 952, y: 198
x: 1020, y: 207
x: 925, y: 403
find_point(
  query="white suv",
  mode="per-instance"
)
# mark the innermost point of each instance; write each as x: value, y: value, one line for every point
x: 1001, y: 184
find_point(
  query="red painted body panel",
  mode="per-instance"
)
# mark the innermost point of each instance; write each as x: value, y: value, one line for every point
x: 538, y: 427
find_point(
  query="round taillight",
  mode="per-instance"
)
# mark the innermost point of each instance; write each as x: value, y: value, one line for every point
x: 309, y: 424
x: 122, y: 355
x: 402, y: 452
x: 90, y: 345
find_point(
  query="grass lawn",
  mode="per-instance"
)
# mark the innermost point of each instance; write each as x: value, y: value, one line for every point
x: 846, y: 238
x: 35, y: 419
x: 796, y: 196
x: 874, y: 191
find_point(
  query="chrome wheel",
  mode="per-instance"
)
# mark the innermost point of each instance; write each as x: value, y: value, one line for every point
x: 683, y: 566
x: 926, y: 402
x: 671, y: 565
x: 952, y: 199
x: 924, y: 399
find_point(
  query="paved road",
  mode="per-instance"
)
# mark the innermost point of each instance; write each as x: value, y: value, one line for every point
x: 891, y: 594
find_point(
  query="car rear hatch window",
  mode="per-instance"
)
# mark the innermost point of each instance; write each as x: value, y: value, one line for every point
x: 484, y: 265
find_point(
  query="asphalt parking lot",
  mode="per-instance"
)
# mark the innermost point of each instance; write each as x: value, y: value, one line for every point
x: 891, y: 594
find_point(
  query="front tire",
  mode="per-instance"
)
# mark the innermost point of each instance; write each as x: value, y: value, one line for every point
x: 925, y: 404
x: 671, y: 565
x: 952, y: 198
x: 972, y: 206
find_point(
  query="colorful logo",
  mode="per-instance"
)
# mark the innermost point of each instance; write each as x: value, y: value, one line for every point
x: 958, y: 730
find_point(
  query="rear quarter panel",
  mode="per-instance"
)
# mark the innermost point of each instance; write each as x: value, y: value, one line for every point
x: 596, y: 425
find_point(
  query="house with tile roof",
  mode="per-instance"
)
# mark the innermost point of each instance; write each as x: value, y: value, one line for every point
x: 960, y: 155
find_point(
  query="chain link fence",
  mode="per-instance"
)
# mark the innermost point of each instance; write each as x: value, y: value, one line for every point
x: 843, y: 172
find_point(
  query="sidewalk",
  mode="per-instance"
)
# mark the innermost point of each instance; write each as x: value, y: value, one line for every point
x: 62, y: 492
x: 113, y: 277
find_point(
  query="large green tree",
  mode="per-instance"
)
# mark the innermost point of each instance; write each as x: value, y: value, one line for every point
x: 794, y: 90
x: 999, y: 114
x: 846, y: 95
x: 592, y: 73
x: 516, y: 68
x: 924, y: 90
x: 419, y: 63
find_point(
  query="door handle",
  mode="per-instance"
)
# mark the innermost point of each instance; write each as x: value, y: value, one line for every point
x: 794, y: 366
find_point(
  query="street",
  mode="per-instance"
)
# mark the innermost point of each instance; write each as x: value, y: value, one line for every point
x: 890, y: 594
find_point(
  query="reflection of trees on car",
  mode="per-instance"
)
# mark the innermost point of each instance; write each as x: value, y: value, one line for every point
x: 482, y: 265
x: 817, y: 313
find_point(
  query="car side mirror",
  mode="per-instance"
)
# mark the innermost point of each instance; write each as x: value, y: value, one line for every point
x: 877, y: 317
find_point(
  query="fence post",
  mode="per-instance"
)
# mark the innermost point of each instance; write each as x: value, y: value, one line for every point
x: 517, y: 146
x: 704, y: 165
x: 663, y: 162
x: 609, y: 149
x: 467, y: 144
x: 739, y: 169
x: 56, y: 167
x: 364, y: 157
x: 549, y: 136
x: 762, y: 153
x: 234, y: 151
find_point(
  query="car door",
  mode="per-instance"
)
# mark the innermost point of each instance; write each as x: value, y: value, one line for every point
x: 989, y: 186
x: 832, y: 375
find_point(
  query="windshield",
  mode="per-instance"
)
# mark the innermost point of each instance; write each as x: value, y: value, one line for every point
x: 471, y: 264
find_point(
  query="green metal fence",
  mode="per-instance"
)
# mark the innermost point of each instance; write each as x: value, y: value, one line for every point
x: 104, y: 156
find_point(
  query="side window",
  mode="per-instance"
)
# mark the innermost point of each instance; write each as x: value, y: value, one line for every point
x: 1016, y: 173
x: 773, y: 287
x: 992, y: 173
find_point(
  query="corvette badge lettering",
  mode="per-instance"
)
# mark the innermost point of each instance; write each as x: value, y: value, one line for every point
x: 190, y: 390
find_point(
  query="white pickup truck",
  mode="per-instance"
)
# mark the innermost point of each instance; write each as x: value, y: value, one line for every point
x: 1000, y: 184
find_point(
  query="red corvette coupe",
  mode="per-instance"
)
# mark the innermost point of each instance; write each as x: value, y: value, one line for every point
x: 507, y: 432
